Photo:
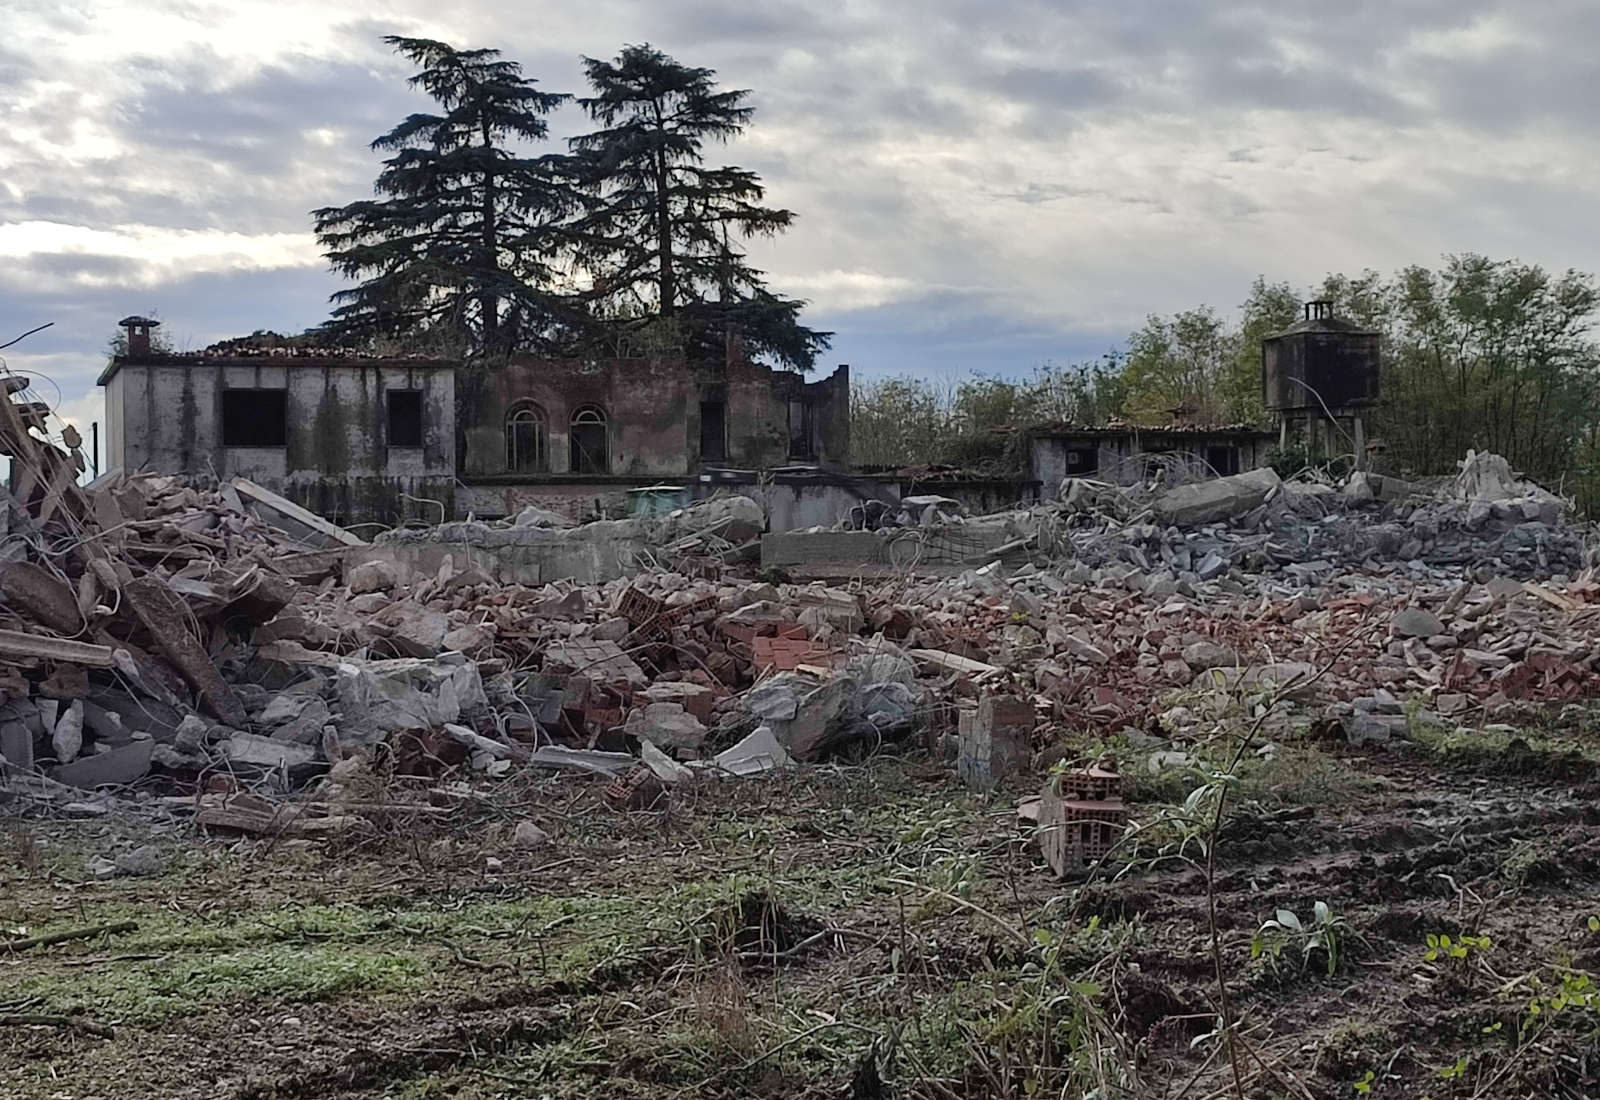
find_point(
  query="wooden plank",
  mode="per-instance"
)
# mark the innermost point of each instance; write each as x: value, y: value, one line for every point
x: 166, y: 618
x: 295, y: 512
x: 14, y: 643
x: 1554, y: 599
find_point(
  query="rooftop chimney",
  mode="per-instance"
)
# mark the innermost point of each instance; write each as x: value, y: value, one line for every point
x: 138, y: 334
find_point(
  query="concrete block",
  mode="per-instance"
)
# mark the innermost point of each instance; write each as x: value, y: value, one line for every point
x: 1213, y: 501
x: 108, y: 769
x: 265, y: 752
x: 995, y: 742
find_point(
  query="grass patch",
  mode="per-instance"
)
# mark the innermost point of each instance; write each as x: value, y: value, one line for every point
x: 144, y: 992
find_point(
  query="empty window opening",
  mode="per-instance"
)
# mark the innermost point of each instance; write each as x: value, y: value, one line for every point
x: 713, y: 431
x: 1223, y: 460
x: 527, y: 440
x: 405, y: 418
x: 255, y: 418
x: 1083, y: 461
x: 590, y: 446
x: 800, y: 436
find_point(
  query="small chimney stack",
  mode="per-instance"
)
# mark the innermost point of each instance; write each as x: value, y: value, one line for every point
x: 138, y: 335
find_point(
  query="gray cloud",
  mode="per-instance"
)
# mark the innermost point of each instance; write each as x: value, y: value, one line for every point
x: 980, y: 184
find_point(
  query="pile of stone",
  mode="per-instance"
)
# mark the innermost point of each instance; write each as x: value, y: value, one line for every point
x: 1497, y: 524
x: 219, y: 643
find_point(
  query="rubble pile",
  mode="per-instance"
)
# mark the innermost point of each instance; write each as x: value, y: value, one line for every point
x: 1475, y: 594
x: 229, y: 642
x: 238, y: 648
x: 1266, y: 527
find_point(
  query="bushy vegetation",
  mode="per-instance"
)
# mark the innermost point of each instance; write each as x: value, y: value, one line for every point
x: 904, y: 420
x: 1481, y: 354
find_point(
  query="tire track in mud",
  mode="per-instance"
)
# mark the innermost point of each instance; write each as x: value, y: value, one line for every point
x: 1504, y: 844
x: 431, y: 1037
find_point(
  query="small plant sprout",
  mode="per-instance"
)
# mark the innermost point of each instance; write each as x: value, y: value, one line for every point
x: 1461, y: 948
x: 1576, y: 992
x: 1363, y: 1085
x: 1325, y: 932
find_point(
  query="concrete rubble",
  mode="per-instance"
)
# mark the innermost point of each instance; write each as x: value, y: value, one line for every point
x: 217, y: 644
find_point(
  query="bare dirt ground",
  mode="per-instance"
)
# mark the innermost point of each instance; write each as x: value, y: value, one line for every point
x: 864, y: 931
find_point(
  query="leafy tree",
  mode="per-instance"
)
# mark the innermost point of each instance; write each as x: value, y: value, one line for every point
x: 660, y: 238
x: 1084, y: 393
x: 905, y: 421
x: 899, y: 421
x: 1486, y: 354
x: 1268, y: 309
x: 461, y: 238
x: 1177, y: 367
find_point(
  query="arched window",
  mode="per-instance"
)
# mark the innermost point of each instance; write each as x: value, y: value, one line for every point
x: 527, y: 440
x: 590, y: 448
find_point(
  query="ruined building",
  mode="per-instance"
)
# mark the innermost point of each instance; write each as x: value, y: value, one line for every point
x: 1126, y: 454
x: 360, y: 438
x: 1319, y: 377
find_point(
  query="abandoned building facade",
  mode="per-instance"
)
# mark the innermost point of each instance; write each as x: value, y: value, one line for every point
x: 365, y: 439
x: 1126, y: 454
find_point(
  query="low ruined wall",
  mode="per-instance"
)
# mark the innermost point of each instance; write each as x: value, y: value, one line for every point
x: 591, y: 554
x: 355, y: 501
x: 941, y: 548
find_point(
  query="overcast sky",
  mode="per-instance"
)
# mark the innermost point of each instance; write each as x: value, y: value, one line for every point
x: 980, y: 184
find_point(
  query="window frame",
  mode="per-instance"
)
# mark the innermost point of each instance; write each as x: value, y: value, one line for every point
x: 389, y: 433
x: 533, y: 414
x: 244, y: 393
x: 589, y: 416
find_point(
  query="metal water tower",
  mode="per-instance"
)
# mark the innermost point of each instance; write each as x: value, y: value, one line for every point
x: 1319, y: 375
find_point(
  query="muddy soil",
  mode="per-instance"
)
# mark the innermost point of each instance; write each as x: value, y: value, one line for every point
x: 851, y: 931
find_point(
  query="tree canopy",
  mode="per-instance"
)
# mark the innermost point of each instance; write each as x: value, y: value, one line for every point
x: 467, y: 226
x: 632, y: 242
x: 661, y: 237
x: 1480, y: 354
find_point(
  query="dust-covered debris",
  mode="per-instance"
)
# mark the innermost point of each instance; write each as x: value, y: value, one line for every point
x: 209, y: 657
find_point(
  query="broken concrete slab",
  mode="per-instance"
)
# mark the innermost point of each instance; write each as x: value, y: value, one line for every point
x: 265, y: 752
x: 414, y: 630
x: 1219, y: 499
x: 378, y: 698
x: 1204, y: 655
x: 40, y: 595
x: 1415, y: 622
x: 67, y: 737
x: 996, y: 742
x: 144, y: 861
x: 756, y: 753
x: 285, y: 707
x: 16, y: 745
x: 666, y: 724
x: 695, y: 698
x: 1084, y: 650
x: 529, y: 835
x: 376, y: 575
x: 115, y: 768
x: 598, y: 662
x: 306, y: 727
